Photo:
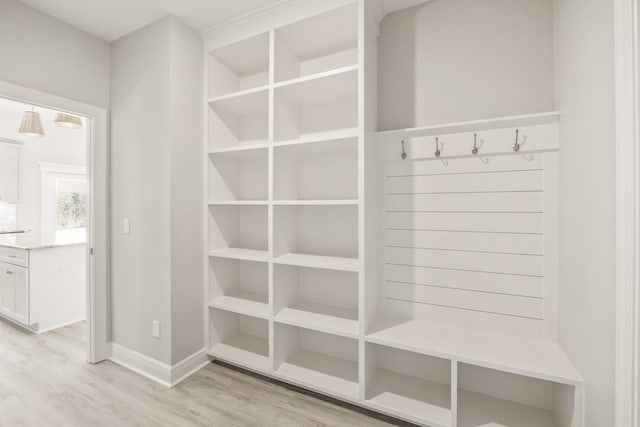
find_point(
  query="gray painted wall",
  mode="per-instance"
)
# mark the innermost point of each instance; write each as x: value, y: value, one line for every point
x: 156, y: 140
x: 40, y: 52
x: 585, y: 94
x: 456, y: 60
x: 187, y: 199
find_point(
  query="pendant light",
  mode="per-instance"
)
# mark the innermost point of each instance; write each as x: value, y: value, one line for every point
x: 31, y: 124
x: 68, y: 121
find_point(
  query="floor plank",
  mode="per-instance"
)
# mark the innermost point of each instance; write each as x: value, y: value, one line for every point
x: 45, y: 381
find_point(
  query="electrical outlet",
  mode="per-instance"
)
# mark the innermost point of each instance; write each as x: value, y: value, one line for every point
x: 156, y: 329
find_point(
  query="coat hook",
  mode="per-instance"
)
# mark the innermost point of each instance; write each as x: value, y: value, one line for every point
x: 404, y: 154
x: 475, y: 144
x: 516, y: 146
x: 437, y: 152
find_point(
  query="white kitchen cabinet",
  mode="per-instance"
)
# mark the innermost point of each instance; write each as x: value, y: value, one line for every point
x: 14, y: 292
x: 42, y: 281
x: 9, y: 172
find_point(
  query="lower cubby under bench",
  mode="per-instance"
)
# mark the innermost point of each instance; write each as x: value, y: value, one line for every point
x: 428, y: 374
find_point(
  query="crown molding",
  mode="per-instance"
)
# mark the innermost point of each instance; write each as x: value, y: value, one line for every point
x: 255, y: 14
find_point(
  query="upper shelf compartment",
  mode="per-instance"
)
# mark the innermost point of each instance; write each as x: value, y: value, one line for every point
x: 239, y: 119
x: 315, y: 45
x: 241, y: 66
x: 320, y: 107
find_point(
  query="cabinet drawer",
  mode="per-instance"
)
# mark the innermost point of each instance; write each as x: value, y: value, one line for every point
x: 14, y: 256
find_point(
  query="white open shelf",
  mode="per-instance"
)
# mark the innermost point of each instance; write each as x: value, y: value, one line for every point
x: 410, y: 385
x: 487, y: 397
x: 318, y: 361
x: 523, y: 356
x: 318, y: 261
x: 240, y: 254
x: 239, y: 176
x: 339, y: 135
x: 239, y: 119
x: 316, y: 107
x: 239, y: 339
x: 300, y: 171
x: 476, y: 409
x: 322, y: 300
x: 316, y: 236
x: 239, y: 286
x: 318, y: 44
x: 241, y: 66
x: 238, y: 231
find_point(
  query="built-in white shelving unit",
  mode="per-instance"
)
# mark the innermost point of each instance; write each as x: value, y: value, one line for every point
x: 422, y: 288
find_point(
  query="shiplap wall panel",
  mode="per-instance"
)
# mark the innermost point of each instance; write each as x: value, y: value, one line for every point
x: 465, y: 202
x: 507, y: 284
x: 468, y: 300
x: 521, y: 244
x: 530, y: 223
x: 465, y: 239
x: 475, y: 182
x: 501, y: 323
x: 524, y: 265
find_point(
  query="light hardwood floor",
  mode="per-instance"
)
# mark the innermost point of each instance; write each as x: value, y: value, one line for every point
x: 45, y: 381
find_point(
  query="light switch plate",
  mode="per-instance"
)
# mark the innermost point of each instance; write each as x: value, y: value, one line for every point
x: 156, y: 329
x: 126, y: 226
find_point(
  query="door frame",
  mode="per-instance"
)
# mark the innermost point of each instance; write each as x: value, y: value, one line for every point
x: 627, y: 45
x: 97, y: 221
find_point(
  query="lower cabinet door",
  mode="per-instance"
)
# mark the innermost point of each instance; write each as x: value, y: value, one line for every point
x: 21, y: 283
x: 14, y: 292
x: 7, y: 290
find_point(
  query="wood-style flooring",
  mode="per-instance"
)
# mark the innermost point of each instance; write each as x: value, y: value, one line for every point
x: 45, y: 381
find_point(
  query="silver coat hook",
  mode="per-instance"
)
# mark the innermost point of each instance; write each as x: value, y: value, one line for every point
x: 404, y: 154
x: 516, y: 146
x: 437, y: 152
x: 475, y: 144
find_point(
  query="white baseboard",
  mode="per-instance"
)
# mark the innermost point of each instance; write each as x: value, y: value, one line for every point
x: 155, y: 370
x: 188, y: 366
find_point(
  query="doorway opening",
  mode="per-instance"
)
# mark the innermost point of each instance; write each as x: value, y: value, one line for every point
x: 53, y: 218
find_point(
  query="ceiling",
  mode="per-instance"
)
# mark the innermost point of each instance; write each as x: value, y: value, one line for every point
x: 112, y: 19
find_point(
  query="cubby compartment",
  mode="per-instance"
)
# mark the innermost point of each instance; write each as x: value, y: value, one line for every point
x: 489, y: 397
x: 322, y: 43
x: 239, y: 120
x: 239, y: 339
x: 241, y: 66
x: 322, y: 300
x: 301, y: 171
x: 322, y: 107
x: 238, y: 232
x: 239, y: 176
x: 409, y: 385
x: 318, y: 361
x: 239, y: 286
x: 317, y: 236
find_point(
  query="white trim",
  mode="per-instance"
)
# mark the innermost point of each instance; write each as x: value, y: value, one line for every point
x: 98, y: 221
x: 155, y: 370
x: 140, y: 364
x: 189, y: 366
x: 62, y: 168
x: 627, y: 212
x: 254, y: 14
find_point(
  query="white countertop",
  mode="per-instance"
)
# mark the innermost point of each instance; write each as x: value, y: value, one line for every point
x: 37, y: 240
